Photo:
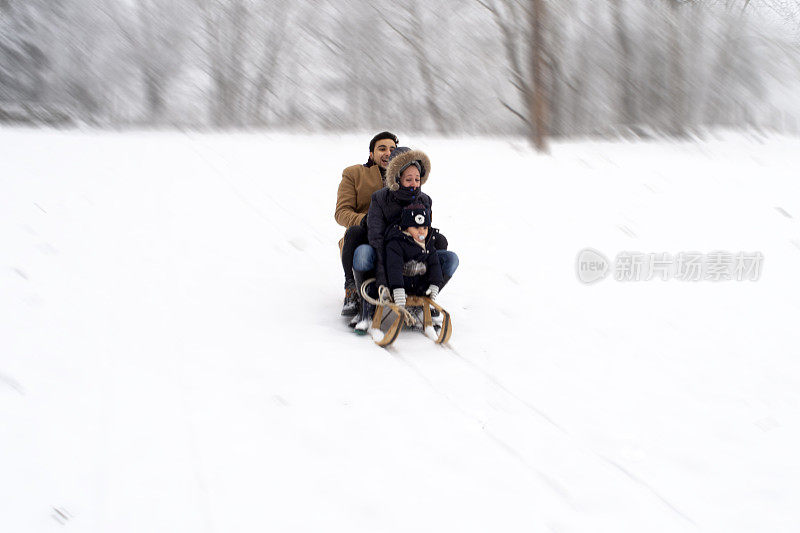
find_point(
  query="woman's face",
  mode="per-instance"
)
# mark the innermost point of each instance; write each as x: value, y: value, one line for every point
x: 410, y: 177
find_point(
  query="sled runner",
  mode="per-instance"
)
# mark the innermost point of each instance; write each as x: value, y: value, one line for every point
x: 384, y: 306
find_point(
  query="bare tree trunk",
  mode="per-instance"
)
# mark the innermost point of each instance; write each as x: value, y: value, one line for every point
x: 238, y: 19
x: 429, y: 82
x: 678, y: 81
x: 267, y: 65
x: 579, y: 110
x: 225, y: 48
x: 555, y: 74
x: 511, y: 46
x: 537, y: 106
x: 696, y: 25
x: 428, y: 79
x: 718, y: 108
x: 627, y: 112
x: 214, y: 55
x: 154, y: 97
x: 153, y: 86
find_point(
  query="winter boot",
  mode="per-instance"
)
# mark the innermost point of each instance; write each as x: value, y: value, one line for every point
x: 436, y: 317
x: 352, y: 301
x: 367, y: 309
x: 365, y: 320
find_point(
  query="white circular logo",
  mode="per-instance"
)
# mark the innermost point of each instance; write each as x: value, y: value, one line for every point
x: 591, y: 266
x: 420, y: 219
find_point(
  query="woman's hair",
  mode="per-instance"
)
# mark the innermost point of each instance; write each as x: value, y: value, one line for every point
x: 404, y: 167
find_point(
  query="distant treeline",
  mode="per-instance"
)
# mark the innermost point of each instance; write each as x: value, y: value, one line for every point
x: 631, y: 67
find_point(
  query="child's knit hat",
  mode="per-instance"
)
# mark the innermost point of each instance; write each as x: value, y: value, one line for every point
x: 415, y: 215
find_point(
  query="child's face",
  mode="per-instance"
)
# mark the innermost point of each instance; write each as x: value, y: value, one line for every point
x: 419, y: 233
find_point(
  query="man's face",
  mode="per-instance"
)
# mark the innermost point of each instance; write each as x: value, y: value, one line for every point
x: 383, y: 149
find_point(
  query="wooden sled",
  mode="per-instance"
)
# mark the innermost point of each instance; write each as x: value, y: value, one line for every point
x: 394, y: 329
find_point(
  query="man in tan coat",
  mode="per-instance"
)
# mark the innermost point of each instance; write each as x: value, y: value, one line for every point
x: 352, y: 203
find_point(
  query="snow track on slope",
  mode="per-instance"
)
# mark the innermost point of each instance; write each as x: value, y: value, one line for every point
x: 488, y: 414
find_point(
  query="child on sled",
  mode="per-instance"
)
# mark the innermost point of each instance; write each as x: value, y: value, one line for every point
x: 412, y: 267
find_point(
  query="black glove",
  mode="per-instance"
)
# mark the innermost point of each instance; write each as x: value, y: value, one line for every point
x: 439, y: 240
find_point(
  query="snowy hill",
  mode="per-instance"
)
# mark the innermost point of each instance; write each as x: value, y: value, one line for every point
x: 172, y: 359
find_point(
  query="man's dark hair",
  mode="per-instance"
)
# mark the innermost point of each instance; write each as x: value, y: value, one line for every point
x: 383, y: 135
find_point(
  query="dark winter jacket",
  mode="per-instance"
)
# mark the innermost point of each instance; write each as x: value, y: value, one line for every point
x: 408, y: 265
x: 387, y: 204
x: 384, y: 212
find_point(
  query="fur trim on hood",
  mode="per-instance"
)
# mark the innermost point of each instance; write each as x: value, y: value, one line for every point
x: 402, y: 156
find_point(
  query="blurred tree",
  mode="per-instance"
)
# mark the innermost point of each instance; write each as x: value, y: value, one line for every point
x: 538, y: 106
x: 627, y: 112
x: 677, y: 84
x: 23, y: 63
x: 489, y: 66
x: 224, y: 25
x: 244, y: 42
x: 163, y: 32
x: 525, y: 63
x: 506, y: 15
x: 156, y: 33
x: 270, y: 43
x: 415, y: 34
x: 59, y: 52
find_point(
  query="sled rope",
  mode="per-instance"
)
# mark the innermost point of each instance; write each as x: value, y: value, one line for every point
x: 385, y: 299
x: 384, y: 304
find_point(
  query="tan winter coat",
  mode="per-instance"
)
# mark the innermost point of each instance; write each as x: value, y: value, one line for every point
x: 355, y: 192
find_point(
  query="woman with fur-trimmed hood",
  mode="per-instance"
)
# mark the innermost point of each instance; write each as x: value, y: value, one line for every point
x: 406, y: 172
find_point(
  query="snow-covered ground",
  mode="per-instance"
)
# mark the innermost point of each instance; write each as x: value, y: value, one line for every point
x: 172, y: 359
